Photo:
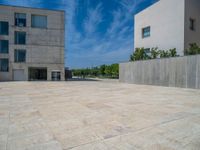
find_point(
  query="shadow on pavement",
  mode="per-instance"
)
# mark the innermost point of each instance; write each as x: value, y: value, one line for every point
x: 82, y: 79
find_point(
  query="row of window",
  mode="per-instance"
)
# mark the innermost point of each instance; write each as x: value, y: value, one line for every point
x: 146, y: 32
x: 20, y: 57
x: 20, y: 38
x: 37, y: 21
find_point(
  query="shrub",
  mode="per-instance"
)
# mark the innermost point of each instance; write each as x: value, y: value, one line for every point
x: 139, y: 54
x: 173, y: 53
x: 154, y: 53
x: 164, y: 54
x: 193, y: 49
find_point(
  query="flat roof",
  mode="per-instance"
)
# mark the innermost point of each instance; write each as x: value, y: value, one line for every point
x: 27, y: 7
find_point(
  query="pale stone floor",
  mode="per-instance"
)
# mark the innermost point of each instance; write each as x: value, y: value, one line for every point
x: 100, y: 115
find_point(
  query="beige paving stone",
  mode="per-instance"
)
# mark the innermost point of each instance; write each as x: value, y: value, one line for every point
x: 99, y: 115
x: 3, y: 141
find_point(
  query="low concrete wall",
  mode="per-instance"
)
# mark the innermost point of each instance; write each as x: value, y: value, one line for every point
x: 174, y: 72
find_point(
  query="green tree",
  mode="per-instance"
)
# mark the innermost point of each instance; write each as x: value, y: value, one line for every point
x: 164, y: 54
x: 172, y: 52
x: 154, y: 53
x: 193, y: 49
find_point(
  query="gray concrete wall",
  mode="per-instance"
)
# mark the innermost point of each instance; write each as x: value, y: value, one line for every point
x: 192, y: 8
x: 181, y: 72
x: 44, y: 47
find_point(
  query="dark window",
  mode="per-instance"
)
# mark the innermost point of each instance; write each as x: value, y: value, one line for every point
x: 4, y: 65
x: 38, y: 21
x: 192, y: 24
x: 20, y: 19
x: 55, y: 76
x: 4, y: 46
x: 20, y: 38
x: 147, y: 51
x: 146, y: 32
x: 20, y: 55
x: 4, y: 28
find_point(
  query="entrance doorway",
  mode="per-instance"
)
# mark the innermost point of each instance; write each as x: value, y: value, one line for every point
x: 55, y: 76
x: 37, y: 74
x: 18, y: 75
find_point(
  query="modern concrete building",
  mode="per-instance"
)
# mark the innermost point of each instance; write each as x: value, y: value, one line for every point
x: 168, y: 24
x: 31, y: 44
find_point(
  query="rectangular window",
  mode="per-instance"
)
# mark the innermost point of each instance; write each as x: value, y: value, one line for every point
x: 4, y: 46
x: 4, y: 28
x: 20, y: 19
x: 20, y: 38
x: 38, y: 21
x: 146, y: 32
x: 55, y: 76
x: 192, y: 24
x: 4, y: 65
x: 20, y: 56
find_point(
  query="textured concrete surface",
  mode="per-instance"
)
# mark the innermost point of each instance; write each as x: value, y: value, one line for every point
x: 173, y: 72
x: 99, y: 115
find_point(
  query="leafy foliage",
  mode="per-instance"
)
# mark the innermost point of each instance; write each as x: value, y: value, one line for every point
x: 140, y: 54
x: 154, y: 53
x: 193, y: 49
x: 105, y: 71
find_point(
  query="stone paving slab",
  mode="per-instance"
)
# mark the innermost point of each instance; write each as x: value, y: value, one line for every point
x: 99, y: 115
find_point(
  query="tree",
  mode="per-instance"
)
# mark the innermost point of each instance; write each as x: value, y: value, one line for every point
x: 154, y: 53
x: 164, y: 54
x: 172, y: 52
x: 102, y: 69
x: 139, y: 54
x: 193, y: 49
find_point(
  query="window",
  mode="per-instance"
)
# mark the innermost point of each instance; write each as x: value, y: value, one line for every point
x: 146, y: 32
x: 20, y: 55
x: 4, y: 65
x: 20, y: 19
x: 3, y: 46
x: 55, y: 76
x: 147, y: 51
x: 20, y: 38
x: 192, y: 24
x: 3, y: 28
x: 38, y: 21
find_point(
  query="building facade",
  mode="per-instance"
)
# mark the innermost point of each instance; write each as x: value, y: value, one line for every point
x: 168, y: 24
x: 31, y: 44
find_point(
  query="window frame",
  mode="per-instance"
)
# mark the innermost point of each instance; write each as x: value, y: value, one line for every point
x: 16, y: 56
x: 17, y: 41
x: 192, y: 24
x: 39, y: 27
x: 143, y: 32
x: 3, y: 51
x: 7, y: 31
x: 17, y: 20
x: 2, y: 70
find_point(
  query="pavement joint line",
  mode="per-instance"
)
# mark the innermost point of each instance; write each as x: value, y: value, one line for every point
x: 131, y: 132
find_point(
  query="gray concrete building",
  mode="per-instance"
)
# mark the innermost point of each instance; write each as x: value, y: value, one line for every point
x: 31, y: 44
x: 168, y: 24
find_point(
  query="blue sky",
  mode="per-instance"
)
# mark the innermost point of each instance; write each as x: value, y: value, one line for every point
x: 97, y: 31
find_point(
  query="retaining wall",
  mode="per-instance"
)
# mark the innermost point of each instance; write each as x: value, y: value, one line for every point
x: 174, y: 72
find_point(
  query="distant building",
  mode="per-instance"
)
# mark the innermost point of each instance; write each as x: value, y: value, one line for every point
x: 168, y: 24
x: 31, y: 44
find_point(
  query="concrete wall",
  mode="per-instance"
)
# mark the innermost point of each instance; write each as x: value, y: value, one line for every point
x: 174, y: 72
x: 44, y: 47
x: 166, y: 19
x: 192, y: 8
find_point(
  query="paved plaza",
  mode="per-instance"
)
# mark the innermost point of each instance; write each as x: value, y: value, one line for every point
x: 97, y: 115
